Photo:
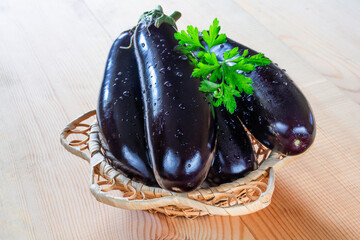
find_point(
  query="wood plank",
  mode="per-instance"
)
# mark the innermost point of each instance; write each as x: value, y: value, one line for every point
x: 45, y: 78
x: 314, y: 30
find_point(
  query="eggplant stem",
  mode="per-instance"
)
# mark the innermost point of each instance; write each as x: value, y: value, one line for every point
x: 159, y: 8
x: 175, y: 15
x: 157, y: 17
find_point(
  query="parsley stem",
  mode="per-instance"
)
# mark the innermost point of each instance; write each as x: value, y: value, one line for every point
x: 222, y: 73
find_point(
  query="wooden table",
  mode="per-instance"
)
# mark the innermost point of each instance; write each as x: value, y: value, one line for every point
x: 52, y: 56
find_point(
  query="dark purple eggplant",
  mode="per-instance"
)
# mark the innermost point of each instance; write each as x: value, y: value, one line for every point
x: 277, y: 114
x: 120, y: 114
x: 179, y: 126
x: 234, y: 156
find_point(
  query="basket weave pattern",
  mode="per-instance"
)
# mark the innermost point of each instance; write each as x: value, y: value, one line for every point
x: 243, y: 196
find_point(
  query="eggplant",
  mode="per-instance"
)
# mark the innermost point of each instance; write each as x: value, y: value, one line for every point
x: 234, y: 156
x: 120, y: 113
x: 179, y: 126
x: 277, y: 113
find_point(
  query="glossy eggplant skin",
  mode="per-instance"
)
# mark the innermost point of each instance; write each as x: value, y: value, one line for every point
x: 234, y: 156
x: 277, y: 114
x: 120, y: 114
x: 179, y: 125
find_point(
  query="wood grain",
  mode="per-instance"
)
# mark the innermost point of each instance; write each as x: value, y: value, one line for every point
x: 51, y: 65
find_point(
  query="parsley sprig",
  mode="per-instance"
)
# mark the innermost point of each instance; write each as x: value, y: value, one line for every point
x: 222, y: 80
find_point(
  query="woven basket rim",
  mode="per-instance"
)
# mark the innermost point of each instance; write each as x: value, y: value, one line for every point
x: 167, y: 198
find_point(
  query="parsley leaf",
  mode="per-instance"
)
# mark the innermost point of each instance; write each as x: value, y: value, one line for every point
x: 212, y: 38
x: 211, y: 58
x: 223, y: 80
x: 229, y: 100
x: 207, y: 86
x: 203, y: 70
x: 243, y: 83
x: 215, y: 75
x: 231, y: 53
x: 243, y: 66
x: 259, y: 60
x: 245, y: 53
x: 191, y: 38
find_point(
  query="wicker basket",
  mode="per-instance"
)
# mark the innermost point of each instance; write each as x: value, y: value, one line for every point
x: 243, y: 196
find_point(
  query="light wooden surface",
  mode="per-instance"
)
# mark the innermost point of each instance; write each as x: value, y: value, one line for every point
x: 52, y: 56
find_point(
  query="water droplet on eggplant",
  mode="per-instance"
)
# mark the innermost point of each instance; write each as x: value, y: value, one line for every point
x: 179, y: 74
x: 168, y: 84
x: 126, y: 93
x: 181, y: 106
x: 179, y: 133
